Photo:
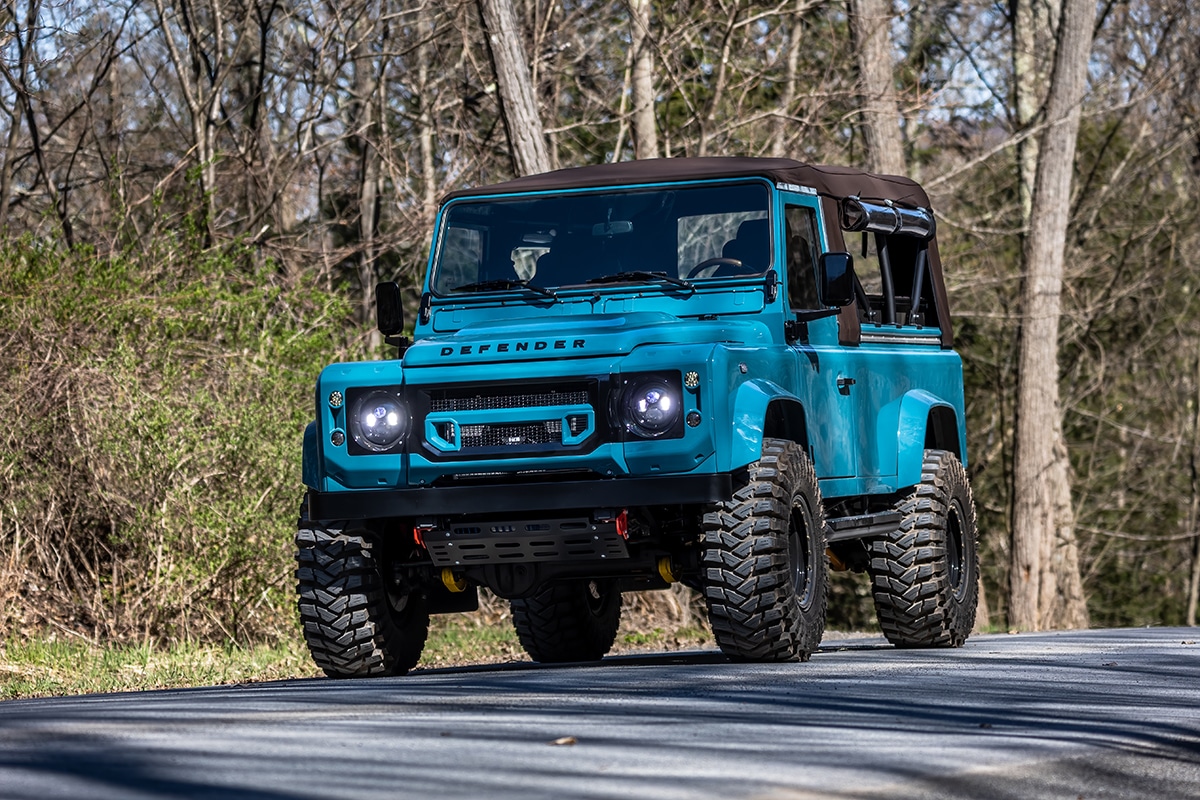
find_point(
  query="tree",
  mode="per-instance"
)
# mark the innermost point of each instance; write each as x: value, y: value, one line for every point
x: 1045, y: 585
x: 1033, y: 25
x: 645, y: 129
x: 787, y: 98
x: 518, y: 105
x: 204, y: 45
x: 870, y: 21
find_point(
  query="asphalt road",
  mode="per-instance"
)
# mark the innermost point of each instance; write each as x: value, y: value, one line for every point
x: 1086, y: 714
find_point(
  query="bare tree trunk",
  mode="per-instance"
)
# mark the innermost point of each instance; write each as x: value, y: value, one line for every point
x: 1194, y: 510
x: 23, y: 104
x: 645, y: 130
x: 1046, y: 589
x: 367, y: 123
x: 10, y: 154
x: 788, y: 98
x: 1034, y: 23
x: 983, y: 612
x: 870, y: 21
x: 518, y: 103
x: 709, y: 120
x: 202, y: 73
x: 429, y: 185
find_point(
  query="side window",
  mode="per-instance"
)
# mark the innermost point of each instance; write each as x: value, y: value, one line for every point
x: 892, y: 273
x: 868, y: 273
x: 800, y: 229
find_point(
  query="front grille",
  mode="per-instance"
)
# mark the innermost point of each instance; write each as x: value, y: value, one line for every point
x: 491, y: 402
x: 510, y: 435
x: 510, y: 420
x: 481, y: 436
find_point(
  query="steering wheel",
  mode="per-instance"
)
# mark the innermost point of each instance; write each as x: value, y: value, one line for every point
x: 735, y: 267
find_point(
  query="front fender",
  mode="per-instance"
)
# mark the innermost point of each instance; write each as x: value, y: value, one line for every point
x: 749, y: 415
x: 310, y: 465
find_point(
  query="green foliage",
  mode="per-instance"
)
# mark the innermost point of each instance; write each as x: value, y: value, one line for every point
x: 150, y: 472
x: 50, y: 666
x: 467, y: 639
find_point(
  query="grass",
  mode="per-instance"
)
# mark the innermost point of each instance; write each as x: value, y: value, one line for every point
x: 52, y: 663
x: 51, y: 666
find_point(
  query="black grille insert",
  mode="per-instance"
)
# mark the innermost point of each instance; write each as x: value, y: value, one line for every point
x: 509, y: 397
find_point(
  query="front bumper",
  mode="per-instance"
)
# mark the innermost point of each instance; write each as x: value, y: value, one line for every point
x: 520, y: 498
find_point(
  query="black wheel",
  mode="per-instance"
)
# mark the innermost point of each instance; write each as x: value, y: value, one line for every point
x: 766, y: 578
x: 925, y: 575
x: 568, y: 620
x: 353, y: 624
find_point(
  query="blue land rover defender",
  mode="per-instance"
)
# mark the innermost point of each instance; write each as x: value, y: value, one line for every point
x: 735, y: 373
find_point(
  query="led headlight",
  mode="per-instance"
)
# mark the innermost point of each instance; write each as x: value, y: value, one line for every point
x: 378, y: 421
x: 650, y: 406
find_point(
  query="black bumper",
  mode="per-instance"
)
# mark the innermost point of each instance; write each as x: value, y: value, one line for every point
x: 519, y: 498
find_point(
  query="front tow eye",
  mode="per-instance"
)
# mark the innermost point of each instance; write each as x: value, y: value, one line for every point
x: 453, y: 582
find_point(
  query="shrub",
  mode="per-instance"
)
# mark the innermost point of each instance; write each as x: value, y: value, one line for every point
x: 150, y: 460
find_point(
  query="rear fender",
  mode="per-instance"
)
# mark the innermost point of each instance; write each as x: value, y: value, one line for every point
x: 924, y: 421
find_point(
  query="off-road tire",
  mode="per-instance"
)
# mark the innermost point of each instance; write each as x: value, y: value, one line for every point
x: 568, y: 621
x: 766, y: 575
x: 353, y: 625
x: 925, y: 575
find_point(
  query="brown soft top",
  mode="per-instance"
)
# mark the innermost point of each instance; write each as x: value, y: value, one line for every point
x: 835, y: 182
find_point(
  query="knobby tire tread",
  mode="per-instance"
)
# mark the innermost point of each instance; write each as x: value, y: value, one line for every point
x: 753, y: 609
x: 349, y: 625
x: 915, y: 602
x: 556, y: 624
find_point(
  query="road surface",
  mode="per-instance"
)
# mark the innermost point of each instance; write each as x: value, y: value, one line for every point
x: 1084, y: 714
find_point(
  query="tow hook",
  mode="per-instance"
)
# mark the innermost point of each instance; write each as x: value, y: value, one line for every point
x: 664, y: 570
x: 454, y: 583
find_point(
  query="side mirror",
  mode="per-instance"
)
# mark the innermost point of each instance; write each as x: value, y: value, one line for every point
x: 389, y: 308
x: 835, y: 279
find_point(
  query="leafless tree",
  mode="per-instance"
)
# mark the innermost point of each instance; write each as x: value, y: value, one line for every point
x: 871, y: 21
x: 645, y: 127
x: 1046, y: 589
x: 522, y: 119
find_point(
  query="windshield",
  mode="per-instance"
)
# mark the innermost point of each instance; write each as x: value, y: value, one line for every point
x: 551, y: 241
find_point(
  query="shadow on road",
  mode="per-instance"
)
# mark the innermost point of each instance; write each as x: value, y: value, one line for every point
x: 1091, y: 715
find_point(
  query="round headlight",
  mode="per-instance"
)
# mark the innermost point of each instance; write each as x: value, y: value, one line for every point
x: 378, y: 421
x: 650, y: 408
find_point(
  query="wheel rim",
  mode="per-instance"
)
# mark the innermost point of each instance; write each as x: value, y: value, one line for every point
x: 799, y: 557
x: 955, y: 564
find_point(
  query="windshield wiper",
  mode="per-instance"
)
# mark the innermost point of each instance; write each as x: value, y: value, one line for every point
x: 641, y: 275
x: 502, y: 284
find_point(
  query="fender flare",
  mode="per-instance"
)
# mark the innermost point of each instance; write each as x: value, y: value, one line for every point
x: 923, y: 421
x: 310, y: 464
x: 761, y: 408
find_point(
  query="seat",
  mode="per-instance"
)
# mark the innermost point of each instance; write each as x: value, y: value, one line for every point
x: 568, y: 263
x: 751, y: 245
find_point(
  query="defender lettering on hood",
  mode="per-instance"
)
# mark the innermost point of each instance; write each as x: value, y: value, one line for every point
x: 514, y: 347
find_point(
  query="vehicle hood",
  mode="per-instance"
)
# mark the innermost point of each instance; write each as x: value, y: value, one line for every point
x: 575, y: 337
